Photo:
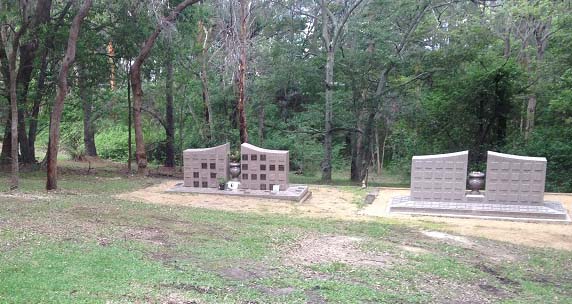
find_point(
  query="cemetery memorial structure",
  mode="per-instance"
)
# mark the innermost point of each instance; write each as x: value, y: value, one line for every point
x: 260, y: 173
x: 514, y: 189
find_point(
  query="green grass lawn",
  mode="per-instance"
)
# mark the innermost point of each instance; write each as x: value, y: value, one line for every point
x: 82, y: 245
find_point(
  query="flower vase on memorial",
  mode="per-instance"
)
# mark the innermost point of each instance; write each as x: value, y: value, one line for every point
x: 476, y: 182
x: 234, y: 171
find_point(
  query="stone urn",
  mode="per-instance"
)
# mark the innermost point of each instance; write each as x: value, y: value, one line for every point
x: 476, y: 182
x: 234, y: 171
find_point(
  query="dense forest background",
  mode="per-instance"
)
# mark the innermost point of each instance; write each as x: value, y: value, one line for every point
x: 345, y: 85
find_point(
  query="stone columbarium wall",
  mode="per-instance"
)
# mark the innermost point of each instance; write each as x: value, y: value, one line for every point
x: 440, y: 177
x: 515, y: 179
x: 203, y: 167
x: 262, y: 168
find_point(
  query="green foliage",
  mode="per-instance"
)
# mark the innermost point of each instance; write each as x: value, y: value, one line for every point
x: 459, y: 79
x: 112, y: 143
x: 554, y: 144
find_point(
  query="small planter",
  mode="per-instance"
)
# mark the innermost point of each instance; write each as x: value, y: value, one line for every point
x: 221, y: 186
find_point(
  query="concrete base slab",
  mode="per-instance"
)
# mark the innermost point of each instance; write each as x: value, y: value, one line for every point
x: 547, y: 211
x: 297, y: 193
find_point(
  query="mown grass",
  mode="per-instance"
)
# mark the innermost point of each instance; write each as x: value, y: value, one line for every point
x: 83, y: 245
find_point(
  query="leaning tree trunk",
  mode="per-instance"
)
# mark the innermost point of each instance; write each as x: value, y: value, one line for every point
x: 62, y: 89
x: 27, y: 58
x: 170, y: 122
x: 204, y: 37
x: 242, y: 71
x: 136, y: 86
x: 23, y: 79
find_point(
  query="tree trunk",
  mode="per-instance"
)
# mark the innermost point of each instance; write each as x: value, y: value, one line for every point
x: 261, y: 119
x: 205, y: 80
x: 88, y: 132
x: 23, y: 79
x: 11, y: 57
x: 541, y: 38
x: 136, y: 85
x: 530, y: 112
x: 14, y: 181
x: 27, y: 56
x: 129, y: 116
x: 33, y: 128
x: 170, y: 122
x: 327, y: 162
x: 111, y: 54
x: 61, y: 91
x: 358, y: 151
x: 41, y: 83
x: 244, y: 6
x: 377, y: 162
x: 5, y: 155
x: 383, y: 147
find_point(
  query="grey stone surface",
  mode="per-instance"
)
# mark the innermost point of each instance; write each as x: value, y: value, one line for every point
x: 441, y: 177
x: 371, y: 196
x: 515, y: 179
x: 263, y: 168
x: 203, y: 167
x: 543, y: 211
x: 514, y: 189
x: 298, y: 193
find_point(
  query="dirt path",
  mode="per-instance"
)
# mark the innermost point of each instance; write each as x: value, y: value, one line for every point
x: 335, y: 203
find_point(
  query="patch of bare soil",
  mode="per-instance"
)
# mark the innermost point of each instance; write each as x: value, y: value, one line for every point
x: 277, y: 292
x: 24, y: 196
x: 334, y: 249
x: 533, y: 234
x: 314, y: 297
x: 494, y: 252
x: 332, y: 202
x: 55, y: 225
x: 150, y: 235
x: 178, y: 299
x: 446, y: 291
x: 246, y: 272
x: 414, y: 249
x: 326, y: 202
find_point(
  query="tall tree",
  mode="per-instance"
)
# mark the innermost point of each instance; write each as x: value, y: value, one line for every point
x: 136, y: 86
x: 87, y: 107
x: 10, y: 44
x: 371, y: 99
x: 241, y: 75
x: 36, y: 15
x: 169, y: 111
x: 203, y: 40
x: 62, y: 89
x: 333, y: 24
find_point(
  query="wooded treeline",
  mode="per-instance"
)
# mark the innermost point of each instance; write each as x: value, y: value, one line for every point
x: 343, y: 84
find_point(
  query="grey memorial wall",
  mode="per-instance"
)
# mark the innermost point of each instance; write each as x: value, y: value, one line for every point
x: 514, y: 188
x: 261, y: 169
x: 515, y: 179
x: 441, y: 177
x: 204, y: 167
